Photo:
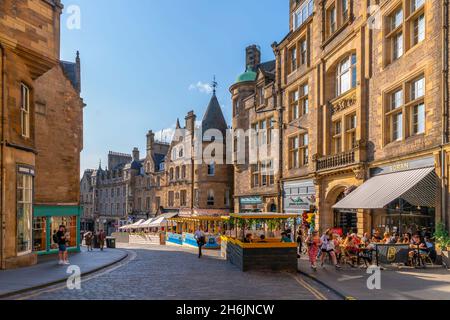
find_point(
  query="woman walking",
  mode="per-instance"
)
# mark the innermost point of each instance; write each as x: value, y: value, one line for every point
x: 313, y: 242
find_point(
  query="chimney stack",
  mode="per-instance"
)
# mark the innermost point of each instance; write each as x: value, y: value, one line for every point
x: 150, y: 142
x: 136, y: 154
x: 190, y: 122
x: 253, y: 57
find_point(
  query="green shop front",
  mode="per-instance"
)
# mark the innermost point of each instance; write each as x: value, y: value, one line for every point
x: 46, y: 221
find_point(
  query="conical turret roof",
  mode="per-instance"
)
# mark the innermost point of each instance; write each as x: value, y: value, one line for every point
x: 213, y: 118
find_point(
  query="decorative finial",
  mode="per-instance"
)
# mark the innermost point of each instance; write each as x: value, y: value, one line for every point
x: 100, y: 165
x: 214, y: 85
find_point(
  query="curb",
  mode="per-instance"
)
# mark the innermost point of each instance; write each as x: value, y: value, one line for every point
x: 49, y: 284
x: 339, y: 294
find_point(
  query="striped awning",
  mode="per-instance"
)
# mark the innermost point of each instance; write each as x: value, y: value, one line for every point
x: 417, y: 187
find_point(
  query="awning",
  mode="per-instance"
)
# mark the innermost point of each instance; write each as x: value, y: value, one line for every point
x: 417, y: 187
x: 132, y: 226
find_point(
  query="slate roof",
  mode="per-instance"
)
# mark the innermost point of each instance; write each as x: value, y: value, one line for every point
x: 158, y: 159
x: 70, y: 71
x: 213, y: 118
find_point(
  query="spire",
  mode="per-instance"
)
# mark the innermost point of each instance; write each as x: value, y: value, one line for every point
x: 178, y: 124
x: 214, y: 84
x: 100, y: 165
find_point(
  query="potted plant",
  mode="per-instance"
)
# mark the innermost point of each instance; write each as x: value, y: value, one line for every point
x: 442, y: 244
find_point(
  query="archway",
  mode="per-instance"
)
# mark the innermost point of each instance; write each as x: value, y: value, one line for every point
x: 345, y: 220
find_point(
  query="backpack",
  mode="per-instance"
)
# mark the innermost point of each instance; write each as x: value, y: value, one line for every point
x: 55, y: 238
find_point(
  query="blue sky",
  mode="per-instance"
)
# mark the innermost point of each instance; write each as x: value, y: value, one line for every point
x: 142, y: 59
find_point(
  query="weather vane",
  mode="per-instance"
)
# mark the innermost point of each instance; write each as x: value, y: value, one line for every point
x: 214, y: 85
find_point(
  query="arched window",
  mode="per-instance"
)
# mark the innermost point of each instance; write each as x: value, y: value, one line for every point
x: 181, y: 152
x: 210, y: 201
x: 177, y: 173
x: 346, y: 75
x: 171, y: 174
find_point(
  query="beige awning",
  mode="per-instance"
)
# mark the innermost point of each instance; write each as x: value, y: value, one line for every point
x: 417, y: 187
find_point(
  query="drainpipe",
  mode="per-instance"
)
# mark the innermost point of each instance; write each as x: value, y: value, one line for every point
x: 278, y: 101
x: 445, y: 106
x: 2, y: 155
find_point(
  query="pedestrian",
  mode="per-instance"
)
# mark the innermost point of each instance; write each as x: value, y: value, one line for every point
x: 101, y: 239
x: 299, y: 241
x: 201, y: 241
x: 88, y: 240
x: 60, y: 236
x: 313, y: 242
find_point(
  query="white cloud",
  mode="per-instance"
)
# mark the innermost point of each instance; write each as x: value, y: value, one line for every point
x: 201, y: 87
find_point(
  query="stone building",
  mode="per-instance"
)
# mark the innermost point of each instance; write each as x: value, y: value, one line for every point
x: 123, y: 192
x: 254, y: 107
x: 362, y: 88
x: 195, y: 178
x: 38, y: 90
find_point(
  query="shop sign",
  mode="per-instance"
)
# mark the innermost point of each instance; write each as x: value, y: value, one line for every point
x: 251, y: 200
x: 299, y: 196
x: 392, y: 253
x: 403, y: 166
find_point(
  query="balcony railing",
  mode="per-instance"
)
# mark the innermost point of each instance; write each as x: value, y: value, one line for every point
x: 336, y: 161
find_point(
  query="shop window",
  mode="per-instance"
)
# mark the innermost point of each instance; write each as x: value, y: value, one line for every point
x: 39, y: 234
x: 24, y: 212
x: 70, y: 222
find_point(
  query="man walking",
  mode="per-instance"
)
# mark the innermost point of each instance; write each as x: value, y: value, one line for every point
x: 200, y: 237
x: 101, y: 239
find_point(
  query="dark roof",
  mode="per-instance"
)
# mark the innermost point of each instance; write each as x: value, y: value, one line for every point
x: 158, y: 159
x: 136, y: 165
x: 268, y: 66
x: 70, y: 71
x: 213, y: 118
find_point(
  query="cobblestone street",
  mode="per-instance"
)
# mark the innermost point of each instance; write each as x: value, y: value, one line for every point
x: 153, y: 273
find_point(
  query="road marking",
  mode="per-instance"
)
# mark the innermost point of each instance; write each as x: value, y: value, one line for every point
x: 310, y: 288
x: 348, y: 278
x: 131, y: 256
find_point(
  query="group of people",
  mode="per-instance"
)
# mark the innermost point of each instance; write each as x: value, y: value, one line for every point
x: 89, y: 239
x: 355, y: 248
x: 61, y: 238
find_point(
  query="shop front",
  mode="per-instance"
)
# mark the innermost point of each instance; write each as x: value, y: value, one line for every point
x: 46, y: 221
x: 251, y: 204
x: 401, y: 197
x: 299, y: 196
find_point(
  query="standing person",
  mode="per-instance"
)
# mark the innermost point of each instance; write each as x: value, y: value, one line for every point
x: 299, y: 241
x: 313, y: 242
x: 88, y: 240
x: 62, y: 245
x: 101, y: 239
x: 200, y: 237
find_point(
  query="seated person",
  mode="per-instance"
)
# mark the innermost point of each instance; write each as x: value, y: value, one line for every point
x: 431, y: 248
x: 376, y: 237
x: 248, y: 238
x: 417, y: 243
x: 386, y: 238
x: 262, y: 239
x: 285, y: 238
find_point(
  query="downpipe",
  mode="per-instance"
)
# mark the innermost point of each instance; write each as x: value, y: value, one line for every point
x: 2, y: 161
x: 445, y: 108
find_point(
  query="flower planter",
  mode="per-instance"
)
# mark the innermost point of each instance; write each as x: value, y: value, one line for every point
x: 445, y: 258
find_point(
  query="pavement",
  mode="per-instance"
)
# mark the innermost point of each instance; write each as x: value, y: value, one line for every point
x: 432, y: 283
x: 48, y: 272
x: 174, y: 273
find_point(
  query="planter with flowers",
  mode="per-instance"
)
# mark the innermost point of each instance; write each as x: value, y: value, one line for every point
x: 442, y: 244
